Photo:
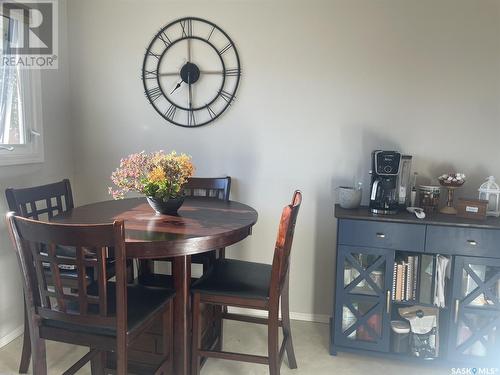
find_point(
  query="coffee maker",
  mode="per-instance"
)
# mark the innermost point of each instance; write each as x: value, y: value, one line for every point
x: 390, y: 182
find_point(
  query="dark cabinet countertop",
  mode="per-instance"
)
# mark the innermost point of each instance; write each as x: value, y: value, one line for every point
x: 363, y: 213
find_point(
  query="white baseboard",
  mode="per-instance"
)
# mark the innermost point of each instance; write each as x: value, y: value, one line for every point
x: 11, y: 336
x: 316, y: 318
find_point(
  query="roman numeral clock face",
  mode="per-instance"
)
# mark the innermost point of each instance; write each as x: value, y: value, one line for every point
x: 191, y: 72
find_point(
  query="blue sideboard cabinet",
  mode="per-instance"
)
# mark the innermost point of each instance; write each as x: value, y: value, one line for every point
x: 364, y: 306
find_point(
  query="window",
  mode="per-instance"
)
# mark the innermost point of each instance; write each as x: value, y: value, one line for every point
x: 20, y: 105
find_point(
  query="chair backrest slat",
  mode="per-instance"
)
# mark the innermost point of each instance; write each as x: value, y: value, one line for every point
x: 39, y: 246
x: 101, y: 278
x: 283, y: 247
x: 56, y: 278
x: 218, y: 188
x: 40, y: 283
x: 34, y: 212
x: 82, y: 282
x: 34, y: 202
x: 59, y: 204
x: 50, y: 210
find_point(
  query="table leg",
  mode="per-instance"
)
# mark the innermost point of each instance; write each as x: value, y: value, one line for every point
x: 181, y: 272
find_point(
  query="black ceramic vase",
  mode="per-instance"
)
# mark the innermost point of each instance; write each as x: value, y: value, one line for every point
x: 168, y: 207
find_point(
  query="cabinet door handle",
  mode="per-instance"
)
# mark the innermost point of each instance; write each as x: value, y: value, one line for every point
x: 388, y: 302
x: 457, y: 306
x: 380, y: 235
x: 472, y: 242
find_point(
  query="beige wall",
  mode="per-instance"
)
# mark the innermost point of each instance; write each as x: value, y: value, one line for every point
x: 325, y: 82
x: 58, y: 165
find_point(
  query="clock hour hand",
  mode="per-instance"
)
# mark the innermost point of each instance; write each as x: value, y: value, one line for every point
x: 176, y: 87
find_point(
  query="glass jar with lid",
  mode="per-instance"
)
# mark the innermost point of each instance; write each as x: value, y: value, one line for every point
x: 429, y: 198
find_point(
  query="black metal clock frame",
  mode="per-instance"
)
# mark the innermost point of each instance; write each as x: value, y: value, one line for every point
x: 190, y: 73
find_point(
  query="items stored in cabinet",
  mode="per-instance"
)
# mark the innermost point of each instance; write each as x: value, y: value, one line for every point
x: 424, y: 330
x: 400, y: 336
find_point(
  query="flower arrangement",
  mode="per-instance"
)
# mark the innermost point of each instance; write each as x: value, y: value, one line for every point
x: 157, y: 175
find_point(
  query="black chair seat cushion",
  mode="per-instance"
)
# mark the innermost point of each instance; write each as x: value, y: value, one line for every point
x: 236, y: 278
x: 141, y: 303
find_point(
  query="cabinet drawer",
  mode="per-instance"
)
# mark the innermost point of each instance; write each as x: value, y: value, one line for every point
x: 463, y: 241
x: 409, y: 237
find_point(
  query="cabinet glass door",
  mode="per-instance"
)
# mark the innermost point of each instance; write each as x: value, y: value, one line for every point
x: 475, y: 329
x: 364, y: 281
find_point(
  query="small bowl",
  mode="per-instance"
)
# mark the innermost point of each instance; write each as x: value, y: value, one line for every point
x: 349, y: 197
x: 452, y: 180
x: 452, y: 183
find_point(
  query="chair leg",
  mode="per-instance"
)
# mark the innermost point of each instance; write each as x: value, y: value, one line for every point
x: 97, y: 364
x: 287, y: 332
x: 26, y: 354
x: 196, y: 335
x: 121, y: 357
x: 220, y: 325
x: 38, y: 350
x: 272, y: 341
x: 39, y: 354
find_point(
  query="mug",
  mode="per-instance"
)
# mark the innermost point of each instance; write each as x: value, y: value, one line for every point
x: 349, y: 197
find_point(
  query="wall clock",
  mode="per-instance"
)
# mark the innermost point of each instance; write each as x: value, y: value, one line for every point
x: 191, y: 72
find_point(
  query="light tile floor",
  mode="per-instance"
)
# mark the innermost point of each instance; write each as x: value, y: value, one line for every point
x: 311, y: 348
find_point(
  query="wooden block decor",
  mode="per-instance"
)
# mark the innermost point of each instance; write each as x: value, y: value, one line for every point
x: 472, y: 208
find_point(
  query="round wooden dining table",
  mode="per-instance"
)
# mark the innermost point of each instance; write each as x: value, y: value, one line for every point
x: 201, y: 225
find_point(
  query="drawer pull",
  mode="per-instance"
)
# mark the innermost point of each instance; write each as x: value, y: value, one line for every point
x: 472, y: 242
x: 457, y: 306
x: 380, y: 235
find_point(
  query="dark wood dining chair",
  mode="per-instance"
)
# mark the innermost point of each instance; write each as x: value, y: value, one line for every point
x: 255, y: 286
x: 43, y: 203
x: 35, y: 202
x: 209, y: 187
x: 105, y: 316
x: 217, y: 188
x: 38, y: 202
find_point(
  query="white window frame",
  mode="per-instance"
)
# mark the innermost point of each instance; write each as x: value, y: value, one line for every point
x: 33, y: 150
